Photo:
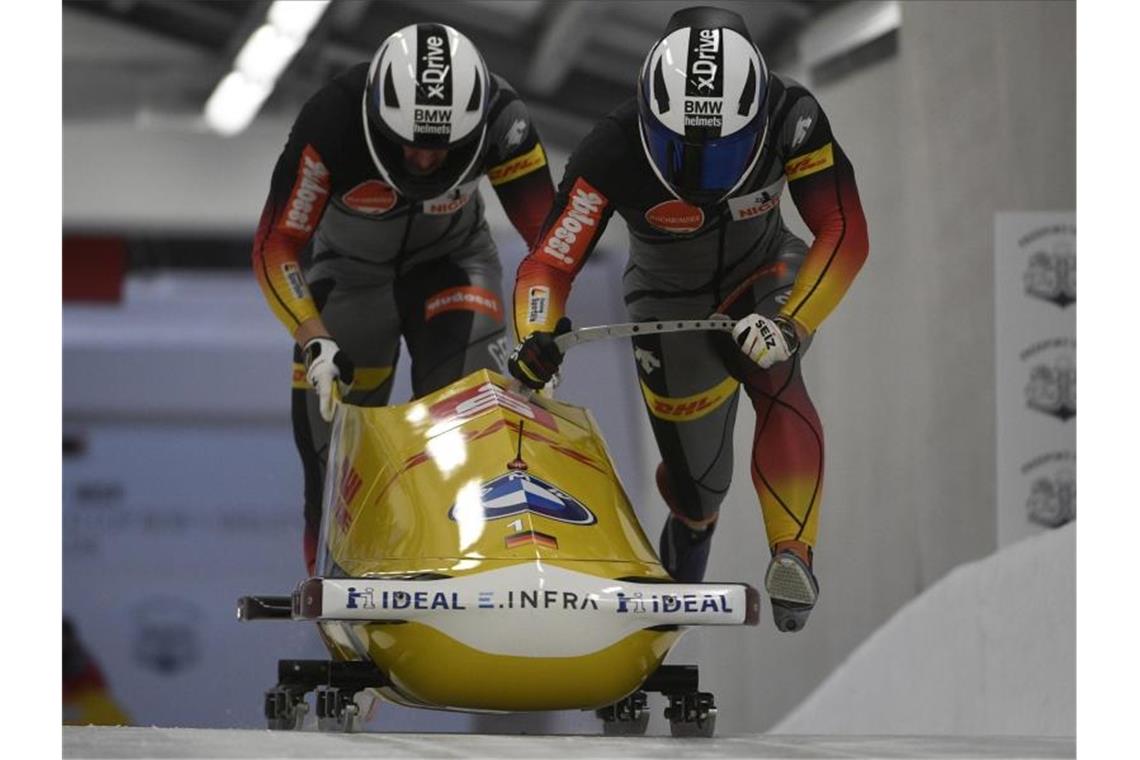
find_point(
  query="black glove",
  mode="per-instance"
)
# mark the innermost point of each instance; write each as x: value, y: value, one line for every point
x: 537, y: 358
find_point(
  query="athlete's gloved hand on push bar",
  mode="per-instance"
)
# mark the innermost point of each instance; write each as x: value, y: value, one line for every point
x: 325, y: 363
x: 536, y: 360
x: 766, y: 341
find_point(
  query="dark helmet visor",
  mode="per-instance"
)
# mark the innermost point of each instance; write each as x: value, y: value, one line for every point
x: 700, y: 172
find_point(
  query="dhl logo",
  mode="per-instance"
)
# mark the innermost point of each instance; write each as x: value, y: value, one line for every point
x: 517, y: 167
x: 689, y: 407
x: 810, y: 163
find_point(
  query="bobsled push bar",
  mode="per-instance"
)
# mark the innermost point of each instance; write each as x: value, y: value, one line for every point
x: 628, y: 603
x: 629, y: 329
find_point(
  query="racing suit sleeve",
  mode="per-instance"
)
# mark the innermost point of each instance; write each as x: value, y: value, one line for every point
x: 298, y: 192
x: 822, y: 184
x: 518, y: 170
x: 582, y: 207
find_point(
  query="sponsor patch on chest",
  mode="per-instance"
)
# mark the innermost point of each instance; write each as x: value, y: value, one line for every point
x: 372, y: 197
x: 757, y: 203
x: 451, y: 202
x: 675, y: 216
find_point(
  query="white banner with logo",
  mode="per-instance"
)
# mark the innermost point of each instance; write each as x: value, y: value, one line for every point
x: 1035, y: 286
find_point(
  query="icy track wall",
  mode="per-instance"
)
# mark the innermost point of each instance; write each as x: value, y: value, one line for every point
x: 990, y: 649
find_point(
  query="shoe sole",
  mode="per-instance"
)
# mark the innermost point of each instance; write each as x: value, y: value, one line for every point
x: 788, y: 581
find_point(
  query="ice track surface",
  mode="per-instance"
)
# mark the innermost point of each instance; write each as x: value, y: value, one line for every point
x: 92, y: 741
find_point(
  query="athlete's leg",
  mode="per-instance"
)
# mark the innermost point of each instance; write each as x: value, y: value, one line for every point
x: 787, y: 453
x: 358, y: 308
x: 453, y: 318
x: 691, y: 401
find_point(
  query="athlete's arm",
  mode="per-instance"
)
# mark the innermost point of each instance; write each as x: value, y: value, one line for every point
x: 822, y: 184
x: 517, y: 166
x: 582, y: 207
x: 298, y: 192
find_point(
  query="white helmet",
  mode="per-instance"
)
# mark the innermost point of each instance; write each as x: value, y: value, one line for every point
x: 427, y: 88
x: 703, y: 104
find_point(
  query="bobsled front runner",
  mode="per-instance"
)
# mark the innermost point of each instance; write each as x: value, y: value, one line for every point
x: 479, y: 549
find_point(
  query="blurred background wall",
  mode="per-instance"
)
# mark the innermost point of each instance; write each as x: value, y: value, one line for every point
x: 181, y: 485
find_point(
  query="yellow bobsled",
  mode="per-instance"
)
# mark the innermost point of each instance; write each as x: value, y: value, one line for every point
x: 478, y: 552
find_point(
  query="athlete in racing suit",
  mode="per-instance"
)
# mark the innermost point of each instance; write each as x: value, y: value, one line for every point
x: 728, y: 251
x: 366, y: 236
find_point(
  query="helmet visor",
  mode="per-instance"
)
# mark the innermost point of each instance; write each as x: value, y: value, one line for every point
x: 700, y: 172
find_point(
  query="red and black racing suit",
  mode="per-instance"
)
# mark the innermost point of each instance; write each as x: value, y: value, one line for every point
x: 684, y: 262
x: 335, y: 239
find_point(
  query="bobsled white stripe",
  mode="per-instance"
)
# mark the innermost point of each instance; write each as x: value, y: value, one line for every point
x: 551, y: 611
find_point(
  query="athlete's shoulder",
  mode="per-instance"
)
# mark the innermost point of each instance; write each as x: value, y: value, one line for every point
x: 614, y: 136
x: 797, y: 119
x: 505, y: 107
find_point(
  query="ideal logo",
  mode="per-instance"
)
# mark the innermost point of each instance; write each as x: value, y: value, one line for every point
x: 360, y: 599
x: 639, y: 602
x: 519, y: 492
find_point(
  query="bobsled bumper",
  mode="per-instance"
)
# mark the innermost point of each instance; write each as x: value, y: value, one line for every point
x: 528, y: 636
x: 627, y: 604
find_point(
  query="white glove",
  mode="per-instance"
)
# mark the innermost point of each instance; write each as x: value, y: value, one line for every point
x: 325, y: 363
x: 766, y: 341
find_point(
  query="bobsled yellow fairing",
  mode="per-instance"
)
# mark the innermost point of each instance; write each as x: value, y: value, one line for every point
x: 479, y: 548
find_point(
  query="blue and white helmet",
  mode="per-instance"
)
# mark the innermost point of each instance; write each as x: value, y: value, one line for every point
x: 427, y: 87
x: 703, y: 105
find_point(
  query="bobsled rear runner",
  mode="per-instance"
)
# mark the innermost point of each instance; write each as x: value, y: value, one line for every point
x: 479, y: 552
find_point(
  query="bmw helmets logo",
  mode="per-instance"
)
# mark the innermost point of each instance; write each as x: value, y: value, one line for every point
x: 516, y: 493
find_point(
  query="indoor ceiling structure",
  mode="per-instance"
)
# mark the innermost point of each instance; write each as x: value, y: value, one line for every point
x: 155, y: 62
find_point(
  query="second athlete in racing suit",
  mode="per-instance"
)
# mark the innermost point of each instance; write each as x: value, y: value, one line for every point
x: 702, y: 205
x: 374, y: 229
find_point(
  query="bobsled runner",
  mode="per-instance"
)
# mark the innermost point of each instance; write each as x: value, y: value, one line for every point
x: 478, y: 552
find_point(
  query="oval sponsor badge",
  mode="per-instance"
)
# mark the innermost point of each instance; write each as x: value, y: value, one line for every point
x: 675, y: 216
x: 371, y: 197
